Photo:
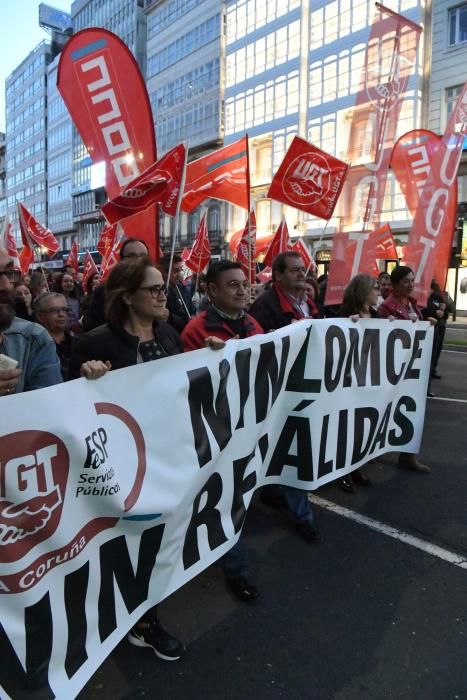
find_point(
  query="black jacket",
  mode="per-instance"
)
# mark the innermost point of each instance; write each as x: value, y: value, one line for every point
x: 119, y: 347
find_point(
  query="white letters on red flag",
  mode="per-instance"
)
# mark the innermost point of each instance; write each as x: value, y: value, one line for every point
x: 9, y: 244
x: 33, y: 233
x: 279, y: 244
x: 425, y: 166
x: 89, y: 269
x: 385, y: 247
x: 302, y: 249
x: 389, y: 62
x: 309, y: 179
x: 246, y: 250
x: 112, y: 256
x: 200, y: 253
x: 72, y: 259
x: 160, y: 183
x: 106, y: 239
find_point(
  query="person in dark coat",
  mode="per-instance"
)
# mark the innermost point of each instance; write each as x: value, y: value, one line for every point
x: 179, y: 301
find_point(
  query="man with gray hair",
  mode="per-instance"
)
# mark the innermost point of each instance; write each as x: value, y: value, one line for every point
x: 51, y: 312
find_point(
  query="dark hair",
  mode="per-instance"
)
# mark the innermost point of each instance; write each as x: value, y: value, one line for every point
x: 126, y: 276
x: 279, y: 262
x: 127, y: 242
x: 58, y: 285
x: 217, y: 268
x: 384, y: 275
x: 356, y: 294
x: 313, y: 283
x: 89, y: 282
x: 399, y: 273
x: 164, y: 262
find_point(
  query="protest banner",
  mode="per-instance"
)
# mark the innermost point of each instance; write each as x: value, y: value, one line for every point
x: 101, y: 517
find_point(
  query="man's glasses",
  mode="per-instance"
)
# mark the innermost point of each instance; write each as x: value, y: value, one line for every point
x: 156, y: 290
x: 57, y: 310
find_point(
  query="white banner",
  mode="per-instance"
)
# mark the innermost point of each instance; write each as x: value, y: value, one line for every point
x: 114, y: 493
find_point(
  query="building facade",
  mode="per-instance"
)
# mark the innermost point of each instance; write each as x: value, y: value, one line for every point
x: 447, y: 77
x: 125, y: 18
x: 293, y: 67
x: 185, y: 80
x: 26, y: 135
x: 2, y: 181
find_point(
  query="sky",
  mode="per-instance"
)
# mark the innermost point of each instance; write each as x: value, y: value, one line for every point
x: 20, y: 34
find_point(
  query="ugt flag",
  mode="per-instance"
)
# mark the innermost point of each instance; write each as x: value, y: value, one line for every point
x: 279, y: 244
x: 33, y: 233
x: 309, y: 179
x: 89, y: 269
x: 72, y: 259
x: 246, y: 251
x: 301, y: 248
x: 160, y: 183
x: 223, y: 174
x: 200, y: 254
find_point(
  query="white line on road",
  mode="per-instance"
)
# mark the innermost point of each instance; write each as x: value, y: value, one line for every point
x: 424, y: 546
x: 442, y: 398
x: 456, y: 352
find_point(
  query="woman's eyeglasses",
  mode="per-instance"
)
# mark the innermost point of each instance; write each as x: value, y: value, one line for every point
x: 156, y: 290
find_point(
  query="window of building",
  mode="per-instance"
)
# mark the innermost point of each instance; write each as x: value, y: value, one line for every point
x: 450, y: 96
x: 457, y: 25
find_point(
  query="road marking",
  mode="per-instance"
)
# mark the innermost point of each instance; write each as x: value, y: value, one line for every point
x: 442, y: 398
x: 427, y: 547
x: 456, y: 352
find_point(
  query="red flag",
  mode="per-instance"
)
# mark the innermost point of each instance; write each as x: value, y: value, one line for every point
x: 9, y: 244
x: 265, y: 275
x: 302, y: 249
x: 200, y: 253
x: 223, y: 174
x: 26, y: 257
x: 309, y: 179
x: 105, y: 93
x: 89, y: 270
x: 106, y: 239
x: 185, y: 253
x: 112, y: 255
x: 160, y: 183
x: 33, y: 233
x: 413, y: 158
x: 72, y: 259
x: 246, y: 250
x: 279, y: 244
x: 385, y: 247
x: 389, y: 61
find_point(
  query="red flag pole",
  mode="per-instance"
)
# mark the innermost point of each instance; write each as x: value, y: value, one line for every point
x: 177, y: 216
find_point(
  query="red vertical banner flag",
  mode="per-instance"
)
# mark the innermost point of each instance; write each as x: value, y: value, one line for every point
x: 33, y: 233
x: 200, y: 253
x: 72, y: 259
x: 309, y: 179
x: 223, y: 174
x: 425, y: 165
x: 106, y: 239
x: 106, y: 96
x: 246, y: 251
x: 161, y: 182
x: 389, y: 62
x: 112, y: 251
x: 89, y: 269
x: 279, y: 244
x: 26, y: 258
x: 9, y: 244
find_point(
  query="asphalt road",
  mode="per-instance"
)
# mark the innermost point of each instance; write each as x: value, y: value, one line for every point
x: 362, y: 615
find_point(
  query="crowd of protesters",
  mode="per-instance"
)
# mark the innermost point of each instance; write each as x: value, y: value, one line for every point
x: 55, y: 330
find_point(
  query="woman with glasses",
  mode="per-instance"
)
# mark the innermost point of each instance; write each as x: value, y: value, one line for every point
x: 135, y: 332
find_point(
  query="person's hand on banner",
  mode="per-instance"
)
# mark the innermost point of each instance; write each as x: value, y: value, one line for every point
x: 8, y: 381
x: 354, y: 318
x: 215, y: 343
x: 432, y: 320
x: 94, y: 369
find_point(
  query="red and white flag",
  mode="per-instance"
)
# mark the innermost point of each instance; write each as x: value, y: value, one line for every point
x: 246, y: 250
x: 72, y: 259
x: 112, y: 256
x: 385, y: 247
x: 389, y: 62
x: 26, y: 258
x: 200, y: 253
x: 9, y: 244
x: 33, y: 233
x: 302, y: 249
x: 279, y: 244
x: 418, y: 161
x: 161, y: 183
x: 106, y: 239
x: 89, y: 270
x: 309, y: 179
x: 223, y: 174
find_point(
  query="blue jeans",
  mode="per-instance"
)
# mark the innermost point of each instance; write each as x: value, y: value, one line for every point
x: 298, y: 503
x: 235, y: 562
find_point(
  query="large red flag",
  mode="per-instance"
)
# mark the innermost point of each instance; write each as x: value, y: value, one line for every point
x: 9, y: 244
x: 279, y: 244
x: 302, y: 249
x: 389, y: 61
x: 246, y: 250
x: 161, y: 183
x: 72, y: 259
x: 200, y: 253
x: 26, y: 258
x: 413, y: 158
x: 33, y: 233
x: 309, y: 179
x: 89, y: 269
x: 223, y: 174
x: 105, y: 93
